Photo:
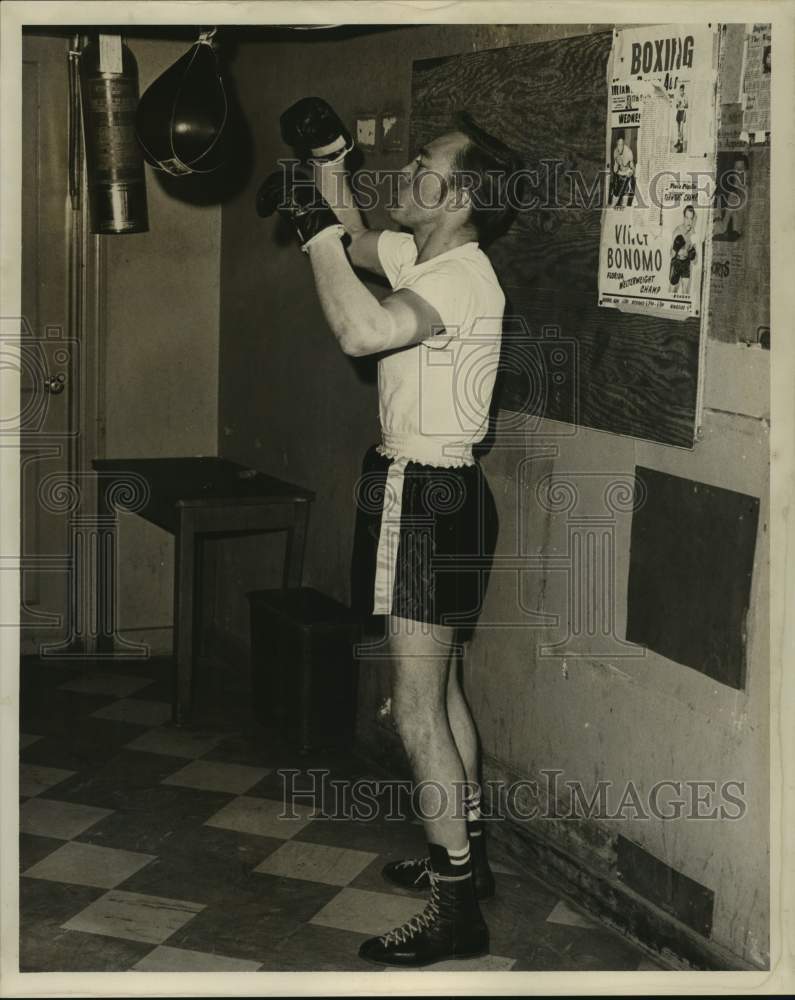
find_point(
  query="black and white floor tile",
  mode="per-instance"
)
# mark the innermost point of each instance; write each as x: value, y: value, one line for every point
x: 150, y: 848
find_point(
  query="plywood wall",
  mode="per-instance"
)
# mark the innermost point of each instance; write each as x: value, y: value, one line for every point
x: 627, y: 374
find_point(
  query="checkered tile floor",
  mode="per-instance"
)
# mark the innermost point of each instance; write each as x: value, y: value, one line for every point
x: 147, y: 847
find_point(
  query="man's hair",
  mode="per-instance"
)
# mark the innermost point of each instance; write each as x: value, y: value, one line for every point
x: 490, y: 171
x: 689, y: 208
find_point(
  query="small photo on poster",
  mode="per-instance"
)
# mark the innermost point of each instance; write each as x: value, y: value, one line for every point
x: 732, y: 188
x: 680, y: 109
x: 766, y: 59
x: 623, y: 166
x: 683, y: 253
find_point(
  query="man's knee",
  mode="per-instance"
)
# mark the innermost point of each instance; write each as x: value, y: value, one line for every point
x: 411, y: 714
x: 418, y: 706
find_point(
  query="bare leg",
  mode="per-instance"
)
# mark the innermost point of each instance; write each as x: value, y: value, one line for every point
x: 462, y: 726
x: 451, y: 925
x: 441, y: 740
x: 421, y: 665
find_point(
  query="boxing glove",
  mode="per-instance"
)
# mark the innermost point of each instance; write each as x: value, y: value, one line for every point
x: 293, y: 194
x: 315, y: 131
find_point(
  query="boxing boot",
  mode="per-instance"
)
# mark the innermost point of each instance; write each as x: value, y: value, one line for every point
x: 450, y: 927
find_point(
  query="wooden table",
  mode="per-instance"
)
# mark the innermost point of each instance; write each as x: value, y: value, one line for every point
x: 193, y: 499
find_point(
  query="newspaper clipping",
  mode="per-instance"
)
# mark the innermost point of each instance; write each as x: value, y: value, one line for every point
x: 756, y: 82
x: 660, y: 165
x: 739, y: 301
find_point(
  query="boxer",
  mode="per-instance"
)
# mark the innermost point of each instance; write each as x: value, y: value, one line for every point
x: 423, y: 499
x: 683, y: 251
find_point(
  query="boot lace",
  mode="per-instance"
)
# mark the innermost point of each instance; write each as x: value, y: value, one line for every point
x: 424, y: 865
x: 419, y: 923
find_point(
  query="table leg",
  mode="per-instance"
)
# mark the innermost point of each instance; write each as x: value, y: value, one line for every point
x: 184, y: 609
x: 102, y: 534
x: 206, y: 592
x: 105, y: 573
x: 296, y: 541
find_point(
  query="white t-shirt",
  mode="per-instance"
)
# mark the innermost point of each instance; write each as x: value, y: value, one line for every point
x: 624, y: 160
x: 434, y: 397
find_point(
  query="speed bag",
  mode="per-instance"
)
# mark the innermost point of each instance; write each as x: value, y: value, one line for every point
x: 182, y: 116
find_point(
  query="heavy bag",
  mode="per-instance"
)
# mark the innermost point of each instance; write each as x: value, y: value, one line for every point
x: 182, y: 116
x: 114, y: 165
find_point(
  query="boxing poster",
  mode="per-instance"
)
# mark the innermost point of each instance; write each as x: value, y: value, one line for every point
x: 660, y: 169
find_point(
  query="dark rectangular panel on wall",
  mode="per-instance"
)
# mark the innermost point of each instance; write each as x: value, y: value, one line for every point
x: 632, y: 375
x: 686, y: 899
x: 690, y: 564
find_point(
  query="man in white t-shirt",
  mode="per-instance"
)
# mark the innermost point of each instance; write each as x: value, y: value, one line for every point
x: 426, y: 524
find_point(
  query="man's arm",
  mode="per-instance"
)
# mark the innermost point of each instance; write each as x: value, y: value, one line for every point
x: 362, y: 324
x: 331, y: 179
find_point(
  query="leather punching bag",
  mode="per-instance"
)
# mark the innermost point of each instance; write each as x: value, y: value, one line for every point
x: 114, y: 165
x: 182, y: 116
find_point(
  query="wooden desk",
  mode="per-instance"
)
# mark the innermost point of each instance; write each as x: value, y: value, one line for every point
x: 194, y: 498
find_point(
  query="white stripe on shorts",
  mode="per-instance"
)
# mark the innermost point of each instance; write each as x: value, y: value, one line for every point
x: 389, y: 538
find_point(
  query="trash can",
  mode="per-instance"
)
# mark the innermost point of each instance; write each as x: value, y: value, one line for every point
x: 304, y: 676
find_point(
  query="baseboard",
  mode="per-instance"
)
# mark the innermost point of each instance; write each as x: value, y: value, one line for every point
x: 613, y: 905
x: 582, y: 861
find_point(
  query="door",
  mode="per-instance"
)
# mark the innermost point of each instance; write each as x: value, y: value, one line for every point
x: 46, y: 344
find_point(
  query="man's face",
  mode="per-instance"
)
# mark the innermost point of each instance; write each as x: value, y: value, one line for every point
x: 422, y: 191
x: 739, y: 170
x: 690, y: 219
x: 620, y: 146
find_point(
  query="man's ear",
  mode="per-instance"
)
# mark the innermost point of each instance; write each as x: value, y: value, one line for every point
x: 461, y: 197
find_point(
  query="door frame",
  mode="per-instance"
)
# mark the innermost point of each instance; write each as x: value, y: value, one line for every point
x: 86, y: 321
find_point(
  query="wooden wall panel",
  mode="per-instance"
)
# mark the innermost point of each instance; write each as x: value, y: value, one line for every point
x: 634, y: 375
x: 623, y: 373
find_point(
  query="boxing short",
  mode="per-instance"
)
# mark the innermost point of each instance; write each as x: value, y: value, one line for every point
x: 424, y: 541
x: 679, y: 269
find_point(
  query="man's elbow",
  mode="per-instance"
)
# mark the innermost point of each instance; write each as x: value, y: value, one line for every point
x: 361, y: 341
x: 356, y: 347
x: 351, y: 348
